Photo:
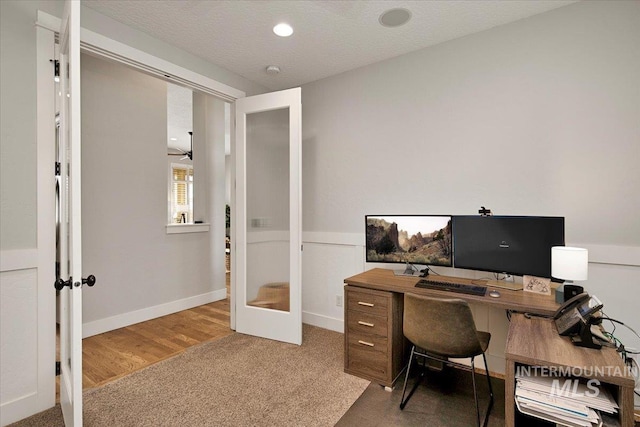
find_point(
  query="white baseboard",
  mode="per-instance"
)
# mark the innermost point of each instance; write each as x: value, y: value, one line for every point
x: 20, y: 408
x: 322, y: 321
x: 121, y: 320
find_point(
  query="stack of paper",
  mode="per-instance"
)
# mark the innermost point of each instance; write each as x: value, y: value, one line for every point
x: 568, y: 402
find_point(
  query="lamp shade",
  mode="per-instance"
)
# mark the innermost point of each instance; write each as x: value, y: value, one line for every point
x: 569, y: 263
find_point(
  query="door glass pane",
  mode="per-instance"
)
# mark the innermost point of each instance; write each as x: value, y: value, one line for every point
x: 267, y: 183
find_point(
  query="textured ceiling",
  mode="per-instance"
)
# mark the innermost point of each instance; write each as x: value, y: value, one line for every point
x: 330, y: 36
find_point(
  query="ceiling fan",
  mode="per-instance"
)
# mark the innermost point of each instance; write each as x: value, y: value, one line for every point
x: 186, y: 154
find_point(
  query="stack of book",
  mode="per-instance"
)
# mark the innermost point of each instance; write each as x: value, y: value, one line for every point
x: 572, y: 402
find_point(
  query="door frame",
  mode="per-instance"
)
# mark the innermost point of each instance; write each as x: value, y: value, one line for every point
x: 47, y: 27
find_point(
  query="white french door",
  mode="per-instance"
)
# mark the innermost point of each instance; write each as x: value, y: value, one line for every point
x: 70, y: 240
x: 267, y: 216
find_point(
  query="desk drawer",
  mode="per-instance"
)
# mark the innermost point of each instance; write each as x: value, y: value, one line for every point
x: 374, y: 344
x: 368, y: 356
x: 362, y: 322
x: 368, y: 302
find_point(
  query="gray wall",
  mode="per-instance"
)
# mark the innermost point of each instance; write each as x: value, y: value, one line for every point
x: 18, y: 103
x: 541, y: 116
x: 538, y: 117
x: 124, y: 189
x: 18, y: 123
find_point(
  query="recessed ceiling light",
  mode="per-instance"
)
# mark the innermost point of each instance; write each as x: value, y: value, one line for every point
x: 173, y: 139
x: 395, y: 17
x: 283, y: 30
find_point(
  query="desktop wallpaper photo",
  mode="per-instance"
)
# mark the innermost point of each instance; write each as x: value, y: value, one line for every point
x: 417, y: 239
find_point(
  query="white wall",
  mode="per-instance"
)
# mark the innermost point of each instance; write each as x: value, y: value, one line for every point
x: 538, y: 117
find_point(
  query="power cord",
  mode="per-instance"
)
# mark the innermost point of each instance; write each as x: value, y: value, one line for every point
x: 631, y: 363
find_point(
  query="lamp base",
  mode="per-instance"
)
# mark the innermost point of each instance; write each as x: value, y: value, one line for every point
x: 560, y: 294
x: 571, y: 291
x: 566, y: 291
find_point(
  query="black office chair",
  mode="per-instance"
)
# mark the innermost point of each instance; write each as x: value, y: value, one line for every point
x: 443, y: 328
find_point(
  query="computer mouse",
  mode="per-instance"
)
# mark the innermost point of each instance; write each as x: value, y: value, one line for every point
x: 495, y: 294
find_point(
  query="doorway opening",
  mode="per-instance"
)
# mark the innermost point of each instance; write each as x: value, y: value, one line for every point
x: 123, y: 170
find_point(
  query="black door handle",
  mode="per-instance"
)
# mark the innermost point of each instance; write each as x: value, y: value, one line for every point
x: 59, y: 284
x: 89, y: 281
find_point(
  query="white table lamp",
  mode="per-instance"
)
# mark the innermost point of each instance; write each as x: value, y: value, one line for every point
x: 569, y: 264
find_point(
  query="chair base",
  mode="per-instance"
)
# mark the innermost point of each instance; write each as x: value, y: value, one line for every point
x: 403, y: 401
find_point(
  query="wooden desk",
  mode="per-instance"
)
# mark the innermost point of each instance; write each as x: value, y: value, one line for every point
x: 375, y: 347
x: 535, y: 342
x: 519, y: 301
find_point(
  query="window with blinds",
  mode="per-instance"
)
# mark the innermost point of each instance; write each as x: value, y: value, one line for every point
x: 181, y: 194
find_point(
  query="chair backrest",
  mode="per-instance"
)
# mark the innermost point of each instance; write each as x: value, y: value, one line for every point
x: 440, y: 326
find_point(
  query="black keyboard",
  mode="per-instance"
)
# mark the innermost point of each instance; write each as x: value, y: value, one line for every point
x: 452, y: 287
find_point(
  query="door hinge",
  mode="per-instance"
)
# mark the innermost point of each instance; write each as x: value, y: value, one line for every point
x: 56, y: 68
x: 58, y: 368
x: 57, y: 168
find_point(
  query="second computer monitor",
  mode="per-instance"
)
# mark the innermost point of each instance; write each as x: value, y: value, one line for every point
x: 518, y: 245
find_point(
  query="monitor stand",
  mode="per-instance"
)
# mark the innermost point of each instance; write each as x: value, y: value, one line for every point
x: 504, y: 285
x: 409, y: 270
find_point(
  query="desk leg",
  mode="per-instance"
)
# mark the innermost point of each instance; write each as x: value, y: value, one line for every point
x: 509, y: 392
x: 625, y: 400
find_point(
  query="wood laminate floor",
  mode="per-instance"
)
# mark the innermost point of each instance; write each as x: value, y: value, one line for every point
x: 111, y: 355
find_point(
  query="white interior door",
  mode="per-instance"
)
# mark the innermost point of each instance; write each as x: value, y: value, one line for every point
x: 70, y: 221
x: 267, y: 216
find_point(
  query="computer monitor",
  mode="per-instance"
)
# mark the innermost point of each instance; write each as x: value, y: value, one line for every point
x: 414, y: 239
x: 517, y: 245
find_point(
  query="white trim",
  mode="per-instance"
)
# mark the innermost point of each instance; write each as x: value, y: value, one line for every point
x: 48, y: 22
x: 17, y: 409
x: 267, y: 236
x: 108, y: 48
x: 121, y: 320
x: 611, y: 254
x: 323, y: 321
x: 187, y: 228
x: 349, y: 239
x: 598, y: 253
x: 18, y: 259
x: 46, y: 216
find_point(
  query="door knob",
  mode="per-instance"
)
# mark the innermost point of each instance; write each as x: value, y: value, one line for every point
x: 59, y: 284
x: 89, y: 281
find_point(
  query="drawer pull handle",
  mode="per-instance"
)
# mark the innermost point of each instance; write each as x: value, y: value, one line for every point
x: 370, y: 344
x: 366, y: 304
x: 360, y: 322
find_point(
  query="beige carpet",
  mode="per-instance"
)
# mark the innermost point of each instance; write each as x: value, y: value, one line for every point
x: 235, y: 381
